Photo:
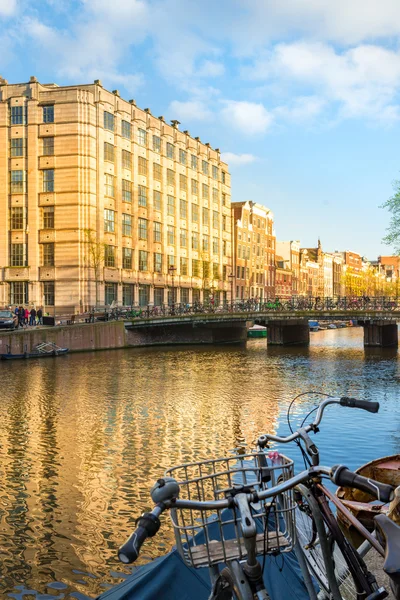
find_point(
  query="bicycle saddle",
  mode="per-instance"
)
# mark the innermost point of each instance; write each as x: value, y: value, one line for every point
x: 390, y: 532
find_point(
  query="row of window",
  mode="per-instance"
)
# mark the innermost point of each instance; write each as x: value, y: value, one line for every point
x: 110, y: 216
x: 170, y: 150
x: 18, y: 181
x: 18, y: 217
x: 19, y: 293
x: 19, y: 257
x: 19, y: 115
x: 244, y: 273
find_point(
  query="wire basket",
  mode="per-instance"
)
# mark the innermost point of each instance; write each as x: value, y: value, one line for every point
x: 208, y: 537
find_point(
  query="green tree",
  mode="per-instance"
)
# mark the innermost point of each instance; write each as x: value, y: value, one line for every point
x: 392, y: 238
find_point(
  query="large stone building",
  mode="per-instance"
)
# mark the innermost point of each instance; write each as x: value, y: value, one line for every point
x: 101, y: 201
x: 254, y: 244
x: 290, y: 252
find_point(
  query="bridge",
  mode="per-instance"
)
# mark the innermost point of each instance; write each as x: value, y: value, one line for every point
x: 285, y: 326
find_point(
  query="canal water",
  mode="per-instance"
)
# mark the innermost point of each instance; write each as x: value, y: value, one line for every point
x: 84, y: 436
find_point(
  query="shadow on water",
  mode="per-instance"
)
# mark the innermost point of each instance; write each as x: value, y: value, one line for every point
x: 84, y: 437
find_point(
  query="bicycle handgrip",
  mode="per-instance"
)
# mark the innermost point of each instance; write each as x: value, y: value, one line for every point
x: 149, y: 524
x: 372, y: 407
x: 342, y: 476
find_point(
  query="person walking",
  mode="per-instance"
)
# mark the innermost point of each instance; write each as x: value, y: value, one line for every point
x: 32, y: 318
x: 26, y: 320
x: 21, y: 316
x: 39, y: 315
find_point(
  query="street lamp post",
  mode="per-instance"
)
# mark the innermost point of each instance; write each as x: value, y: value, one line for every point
x: 171, y: 271
x: 231, y: 277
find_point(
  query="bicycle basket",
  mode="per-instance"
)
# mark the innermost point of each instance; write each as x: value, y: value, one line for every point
x: 208, y: 537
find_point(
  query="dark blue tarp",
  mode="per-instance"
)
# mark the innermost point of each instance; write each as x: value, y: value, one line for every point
x: 168, y: 578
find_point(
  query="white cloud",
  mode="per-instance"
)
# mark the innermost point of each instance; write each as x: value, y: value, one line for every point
x: 211, y: 68
x: 301, y: 109
x: 247, y: 117
x: 7, y: 7
x: 238, y: 159
x: 193, y: 110
x: 363, y: 81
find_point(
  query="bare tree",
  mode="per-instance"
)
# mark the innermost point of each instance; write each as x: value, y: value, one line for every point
x: 95, y: 256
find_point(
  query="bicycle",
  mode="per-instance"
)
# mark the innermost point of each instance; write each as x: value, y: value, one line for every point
x: 251, y: 503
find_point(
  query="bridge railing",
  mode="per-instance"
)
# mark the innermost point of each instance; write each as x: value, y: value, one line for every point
x: 346, y: 304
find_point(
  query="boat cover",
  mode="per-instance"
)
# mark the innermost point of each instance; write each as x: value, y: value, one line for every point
x: 169, y: 578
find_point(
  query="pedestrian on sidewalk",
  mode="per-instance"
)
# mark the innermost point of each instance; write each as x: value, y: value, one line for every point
x: 39, y: 315
x: 32, y: 318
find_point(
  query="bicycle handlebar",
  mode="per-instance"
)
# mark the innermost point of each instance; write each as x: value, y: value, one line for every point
x: 342, y: 476
x: 343, y: 401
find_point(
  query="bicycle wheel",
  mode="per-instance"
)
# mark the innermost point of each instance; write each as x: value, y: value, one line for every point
x: 324, y: 558
x: 239, y: 587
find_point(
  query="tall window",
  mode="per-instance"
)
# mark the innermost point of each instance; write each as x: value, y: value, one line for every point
x: 143, y: 260
x: 18, y: 255
x: 184, y: 265
x: 224, y: 199
x: 126, y: 191
x: 196, y: 268
x: 109, y: 256
x: 183, y: 182
x: 158, y: 296
x: 17, y: 218
x: 195, y: 213
x: 170, y: 235
x: 170, y: 177
x: 157, y: 200
x: 215, y: 172
x: 157, y: 172
x: 126, y: 224
x: 126, y: 159
x: 48, y: 255
x: 19, y: 293
x: 110, y: 293
x: 215, y: 219
x: 215, y: 194
x: 195, y: 240
x: 204, y: 167
x: 183, y: 239
x: 18, y: 146
x: 206, y: 243
x: 109, y: 220
x: 109, y: 185
x: 182, y: 156
x: 126, y: 130
x: 142, y: 137
x: 142, y: 229
x: 215, y: 271
x: 224, y: 247
x: 194, y: 162
x: 156, y: 144
x: 223, y: 176
x: 126, y: 258
x: 183, y: 209
x: 157, y: 231
x: 224, y: 223
x: 48, y: 217
x: 108, y: 121
x: 142, y: 165
x: 170, y: 150
x: 18, y: 182
x: 170, y: 206
x: 215, y: 245
x: 142, y: 195
x: 48, y: 180
x: 18, y: 115
x: 127, y: 294
x: 206, y: 216
x: 108, y: 152
x: 157, y: 262
x: 48, y: 293
x: 195, y: 187
x: 48, y: 146
x: 171, y: 261
x: 205, y: 190
x: 48, y: 114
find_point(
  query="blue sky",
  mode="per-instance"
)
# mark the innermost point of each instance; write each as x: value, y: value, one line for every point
x: 301, y: 96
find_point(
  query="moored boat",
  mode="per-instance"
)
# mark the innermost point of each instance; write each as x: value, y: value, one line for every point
x: 43, y: 350
x: 257, y: 331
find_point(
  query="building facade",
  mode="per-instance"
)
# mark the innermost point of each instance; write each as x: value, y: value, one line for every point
x: 254, y: 246
x: 290, y: 252
x: 102, y: 202
x: 284, y: 279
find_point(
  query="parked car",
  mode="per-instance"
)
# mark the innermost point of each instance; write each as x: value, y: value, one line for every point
x: 8, y: 320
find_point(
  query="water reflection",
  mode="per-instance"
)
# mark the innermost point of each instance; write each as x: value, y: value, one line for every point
x: 84, y: 436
